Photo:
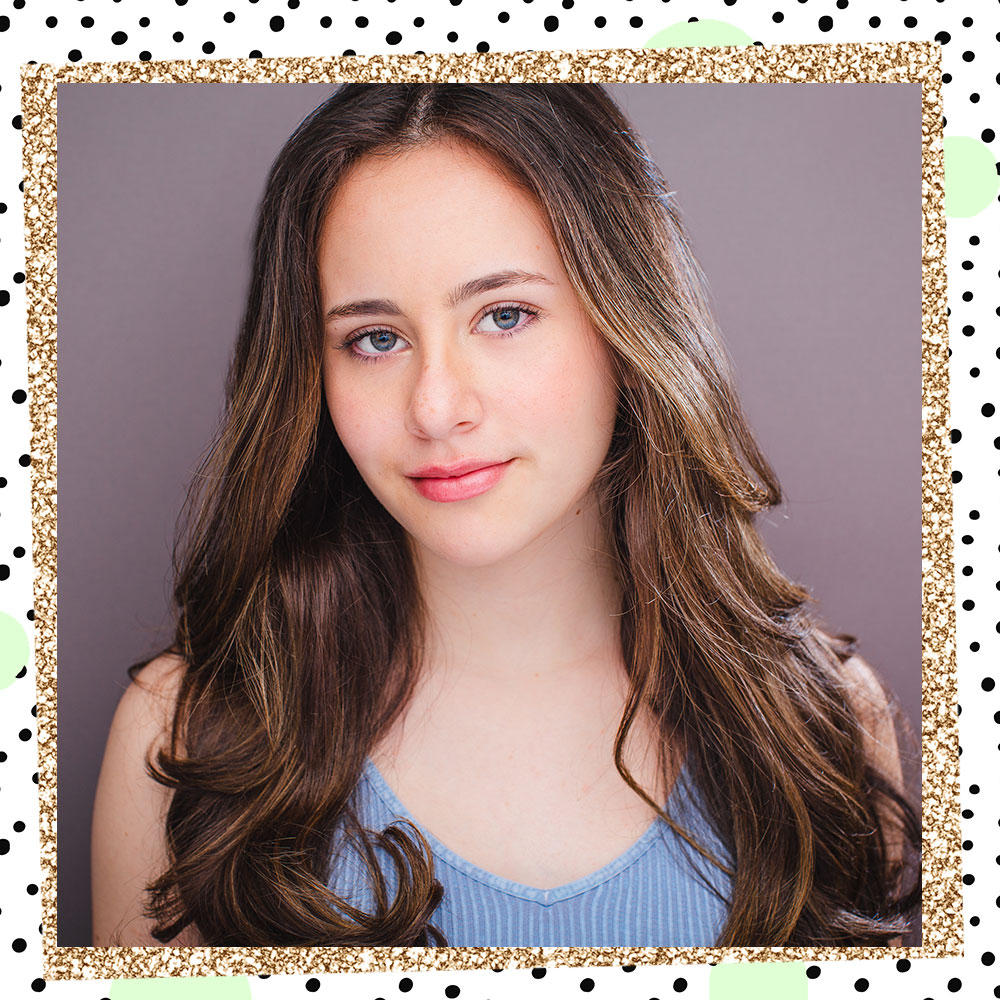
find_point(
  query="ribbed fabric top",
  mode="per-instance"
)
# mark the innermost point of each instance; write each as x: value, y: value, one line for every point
x: 659, y: 892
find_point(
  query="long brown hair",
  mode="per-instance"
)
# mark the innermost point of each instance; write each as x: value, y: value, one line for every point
x: 289, y: 680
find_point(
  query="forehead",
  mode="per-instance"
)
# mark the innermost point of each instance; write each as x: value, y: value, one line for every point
x: 440, y: 198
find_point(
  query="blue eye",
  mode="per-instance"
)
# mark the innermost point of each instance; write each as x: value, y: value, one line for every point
x: 383, y: 340
x: 380, y: 341
x: 508, y: 317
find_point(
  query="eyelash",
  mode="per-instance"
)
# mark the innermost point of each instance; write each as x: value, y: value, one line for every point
x: 518, y: 306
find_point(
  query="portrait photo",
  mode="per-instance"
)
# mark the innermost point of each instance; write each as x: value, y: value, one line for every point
x: 489, y: 514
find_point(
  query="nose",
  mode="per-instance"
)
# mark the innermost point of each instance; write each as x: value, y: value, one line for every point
x: 444, y: 399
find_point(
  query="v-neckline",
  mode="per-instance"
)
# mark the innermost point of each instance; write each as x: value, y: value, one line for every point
x: 519, y: 889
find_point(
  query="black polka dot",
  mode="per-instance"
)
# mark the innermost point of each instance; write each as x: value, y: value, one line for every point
x: 825, y: 23
x: 143, y: 22
x: 874, y: 22
x: 968, y: 879
x: 988, y: 958
x: 537, y: 973
x: 680, y: 985
x: 229, y: 17
x: 38, y: 985
x: 145, y: 55
x: 599, y: 22
x: 16, y: 121
x: 988, y: 409
x: 361, y: 22
x: 910, y: 22
x: 987, y: 135
x: 312, y: 985
x: 325, y: 22
x: 968, y: 56
x: 956, y: 436
x: 966, y: 22
x: 813, y: 972
x: 393, y: 38
x: 987, y: 684
x: 777, y: 17
x: 503, y: 17
x: 586, y: 985
x: 87, y: 22
x: 451, y: 992
x: 551, y: 23
x: 119, y: 38
x: 74, y: 55
x: 635, y: 22
x: 903, y: 965
x: 4, y: 22
x: 254, y: 54
x: 24, y: 735
x: 19, y: 944
x: 18, y: 551
x: 954, y: 985
x: 4, y: 845
x: 24, y: 461
x: 861, y: 985
x: 277, y: 22
x: 842, y: 4
x: 956, y: 477
x: 51, y: 22
x: 405, y: 984
x: 943, y: 37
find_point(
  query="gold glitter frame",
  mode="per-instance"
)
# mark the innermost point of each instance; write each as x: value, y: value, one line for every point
x: 848, y: 63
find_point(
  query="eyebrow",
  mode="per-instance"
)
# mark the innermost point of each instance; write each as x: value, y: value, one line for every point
x: 477, y: 286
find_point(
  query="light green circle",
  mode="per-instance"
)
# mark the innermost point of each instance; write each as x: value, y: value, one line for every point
x: 182, y: 988
x: 14, y: 649
x: 758, y: 981
x: 684, y: 34
x: 970, y: 176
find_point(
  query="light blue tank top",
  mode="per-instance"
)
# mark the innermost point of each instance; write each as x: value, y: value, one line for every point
x: 659, y: 893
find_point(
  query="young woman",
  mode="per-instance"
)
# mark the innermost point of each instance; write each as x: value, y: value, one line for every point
x: 476, y: 640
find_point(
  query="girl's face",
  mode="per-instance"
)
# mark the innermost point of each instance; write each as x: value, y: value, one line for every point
x: 460, y: 371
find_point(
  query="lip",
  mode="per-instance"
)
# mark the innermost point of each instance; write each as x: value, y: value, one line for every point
x: 448, y: 483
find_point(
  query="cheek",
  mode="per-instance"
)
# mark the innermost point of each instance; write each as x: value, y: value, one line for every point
x: 355, y: 424
x: 572, y: 401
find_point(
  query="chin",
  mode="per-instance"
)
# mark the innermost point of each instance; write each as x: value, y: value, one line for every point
x: 467, y: 553
x: 471, y: 545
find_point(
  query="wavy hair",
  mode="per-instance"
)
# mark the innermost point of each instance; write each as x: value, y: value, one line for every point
x: 284, y: 546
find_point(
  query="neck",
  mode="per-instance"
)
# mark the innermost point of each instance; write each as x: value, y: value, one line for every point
x: 550, y: 611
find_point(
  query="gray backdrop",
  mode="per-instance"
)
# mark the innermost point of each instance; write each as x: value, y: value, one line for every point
x: 804, y: 205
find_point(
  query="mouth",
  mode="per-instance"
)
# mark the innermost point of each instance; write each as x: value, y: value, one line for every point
x: 446, y: 484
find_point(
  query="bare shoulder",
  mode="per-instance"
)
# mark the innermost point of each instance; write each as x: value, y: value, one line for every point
x: 872, y: 707
x: 128, y: 843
